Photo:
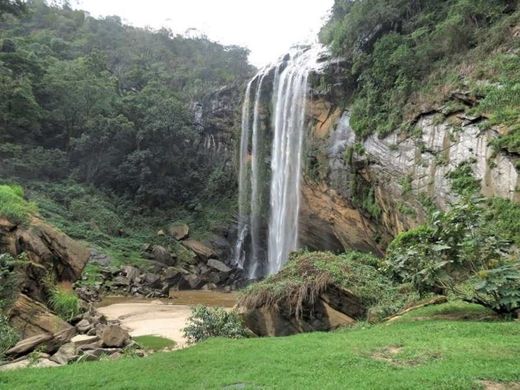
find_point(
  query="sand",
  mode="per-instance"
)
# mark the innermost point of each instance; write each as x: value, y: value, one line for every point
x: 159, y: 317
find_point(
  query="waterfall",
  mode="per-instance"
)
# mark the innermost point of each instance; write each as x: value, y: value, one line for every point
x: 280, y: 196
x: 242, y: 181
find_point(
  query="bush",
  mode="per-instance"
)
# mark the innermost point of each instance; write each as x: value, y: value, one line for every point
x: 208, y: 322
x: 64, y: 302
x: 499, y: 288
x: 8, y: 336
x: 13, y: 206
x: 8, y: 278
x: 463, y: 181
x: 458, y: 252
x: 8, y: 282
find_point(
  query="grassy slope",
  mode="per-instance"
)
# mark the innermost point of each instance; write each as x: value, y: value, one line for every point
x: 434, y: 354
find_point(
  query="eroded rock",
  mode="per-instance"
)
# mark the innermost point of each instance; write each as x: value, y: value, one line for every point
x: 32, y: 318
x: 219, y: 266
x: 202, y: 251
x: 67, y: 353
x: 114, y: 336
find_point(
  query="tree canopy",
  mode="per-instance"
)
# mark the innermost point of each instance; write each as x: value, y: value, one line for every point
x: 105, y: 103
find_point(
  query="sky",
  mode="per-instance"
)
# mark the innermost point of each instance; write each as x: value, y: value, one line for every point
x: 267, y: 27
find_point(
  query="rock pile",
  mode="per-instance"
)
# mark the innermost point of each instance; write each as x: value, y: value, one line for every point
x: 160, y: 280
x: 46, y: 339
x: 88, y: 337
x: 201, y: 267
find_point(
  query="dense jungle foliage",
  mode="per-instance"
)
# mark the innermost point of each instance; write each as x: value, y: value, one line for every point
x: 97, y: 102
x: 406, y: 57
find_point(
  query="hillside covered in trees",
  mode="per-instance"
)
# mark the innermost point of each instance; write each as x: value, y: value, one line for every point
x: 101, y: 103
x: 366, y: 185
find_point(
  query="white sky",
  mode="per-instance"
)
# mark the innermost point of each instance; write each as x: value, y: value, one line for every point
x: 267, y: 27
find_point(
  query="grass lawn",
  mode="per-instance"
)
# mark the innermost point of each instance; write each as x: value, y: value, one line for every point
x: 154, y: 343
x: 441, y: 347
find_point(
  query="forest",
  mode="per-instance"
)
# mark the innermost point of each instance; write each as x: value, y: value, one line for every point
x: 176, y: 214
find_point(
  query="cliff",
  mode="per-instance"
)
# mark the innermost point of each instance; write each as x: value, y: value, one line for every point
x: 360, y: 192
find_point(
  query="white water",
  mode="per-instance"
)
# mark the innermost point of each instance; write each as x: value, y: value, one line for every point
x: 242, y: 181
x: 288, y: 101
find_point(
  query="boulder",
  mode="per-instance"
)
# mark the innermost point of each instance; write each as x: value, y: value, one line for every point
x: 48, y: 251
x: 162, y: 255
x: 88, y: 356
x: 152, y: 280
x: 83, y: 326
x: 130, y: 272
x: 114, y: 336
x: 179, y: 231
x: 218, y: 265
x: 53, y: 249
x: 221, y: 246
x: 214, y: 277
x: 26, y: 362
x: 67, y: 353
x: 29, y: 344
x: 334, y: 307
x: 281, y: 321
x: 82, y: 340
x: 120, y: 281
x: 32, y: 318
x: 191, y: 282
x: 202, y: 251
x: 171, y: 273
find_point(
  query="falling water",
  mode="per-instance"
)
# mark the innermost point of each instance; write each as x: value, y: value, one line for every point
x: 255, y: 184
x: 289, y: 97
x: 242, y: 180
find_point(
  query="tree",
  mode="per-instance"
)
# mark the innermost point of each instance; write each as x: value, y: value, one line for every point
x: 14, y: 7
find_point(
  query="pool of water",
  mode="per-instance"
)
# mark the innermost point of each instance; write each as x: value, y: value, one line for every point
x: 187, y: 297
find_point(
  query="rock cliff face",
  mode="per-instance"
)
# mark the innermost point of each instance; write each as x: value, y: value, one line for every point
x: 217, y: 117
x: 360, y: 193
x: 48, y: 251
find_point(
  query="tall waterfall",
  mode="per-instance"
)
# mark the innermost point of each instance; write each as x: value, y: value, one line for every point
x: 270, y: 162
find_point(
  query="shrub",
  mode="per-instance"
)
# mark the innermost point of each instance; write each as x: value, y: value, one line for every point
x: 8, y: 282
x: 458, y: 252
x: 8, y: 336
x: 8, y: 278
x: 13, y: 206
x: 64, y: 302
x: 499, y: 288
x: 463, y: 181
x: 208, y: 322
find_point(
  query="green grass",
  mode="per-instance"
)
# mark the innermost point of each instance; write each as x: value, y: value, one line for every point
x: 64, y: 302
x: 13, y: 206
x: 406, y: 354
x: 307, y: 274
x: 154, y: 343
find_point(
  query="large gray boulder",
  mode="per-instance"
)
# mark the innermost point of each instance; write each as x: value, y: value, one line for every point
x: 29, y: 344
x: 114, y: 336
x: 66, y: 354
x: 202, y: 251
x: 32, y: 318
x: 162, y: 255
x: 218, y: 265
